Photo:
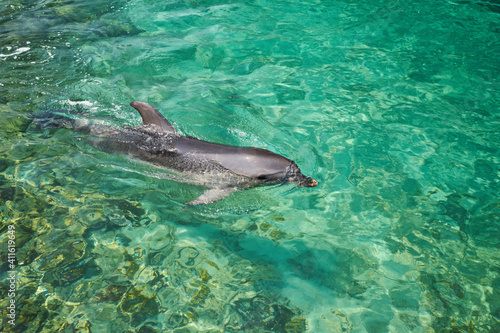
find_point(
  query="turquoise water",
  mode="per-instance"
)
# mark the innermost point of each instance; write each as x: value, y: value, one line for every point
x: 391, y: 105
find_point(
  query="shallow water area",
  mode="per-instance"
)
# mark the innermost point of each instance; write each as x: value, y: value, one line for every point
x: 391, y: 106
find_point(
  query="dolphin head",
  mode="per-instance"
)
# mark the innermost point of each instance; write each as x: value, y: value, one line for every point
x: 294, y: 175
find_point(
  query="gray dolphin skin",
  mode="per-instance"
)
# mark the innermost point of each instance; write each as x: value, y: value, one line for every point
x: 221, y: 168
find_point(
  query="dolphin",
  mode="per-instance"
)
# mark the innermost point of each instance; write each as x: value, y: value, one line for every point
x: 222, y: 169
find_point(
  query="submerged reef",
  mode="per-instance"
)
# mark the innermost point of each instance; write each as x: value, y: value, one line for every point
x: 87, y: 263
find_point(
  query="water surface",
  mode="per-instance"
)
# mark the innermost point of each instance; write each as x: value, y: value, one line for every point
x: 391, y: 105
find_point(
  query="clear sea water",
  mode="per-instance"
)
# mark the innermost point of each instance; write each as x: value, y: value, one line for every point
x: 393, y: 106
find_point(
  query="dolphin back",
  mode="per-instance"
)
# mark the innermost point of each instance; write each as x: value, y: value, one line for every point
x: 245, y: 161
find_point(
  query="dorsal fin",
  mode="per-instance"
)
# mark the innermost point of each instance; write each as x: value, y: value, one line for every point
x: 151, y: 116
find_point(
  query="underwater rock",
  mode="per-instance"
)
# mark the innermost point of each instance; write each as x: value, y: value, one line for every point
x: 17, y: 31
x: 259, y: 313
x: 32, y: 314
x: 296, y: 325
x: 200, y: 296
x: 140, y: 303
x: 7, y: 193
x: 277, y: 234
x: 80, y: 324
x: 11, y: 124
x: 114, y: 28
x: 73, y: 273
x: 66, y: 254
x: 150, y: 276
x: 130, y: 267
x: 148, y: 328
x: 129, y: 209
x: 240, y: 226
x: 110, y: 294
x: 187, y: 256
x: 156, y: 258
x: 264, y: 226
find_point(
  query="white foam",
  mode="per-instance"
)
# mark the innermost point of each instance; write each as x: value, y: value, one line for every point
x: 18, y: 51
x: 83, y: 103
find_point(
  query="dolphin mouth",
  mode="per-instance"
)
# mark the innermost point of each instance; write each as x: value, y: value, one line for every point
x: 308, y: 182
x: 311, y: 182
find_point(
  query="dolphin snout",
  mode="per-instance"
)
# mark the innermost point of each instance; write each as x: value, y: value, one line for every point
x: 312, y: 183
x: 309, y: 182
